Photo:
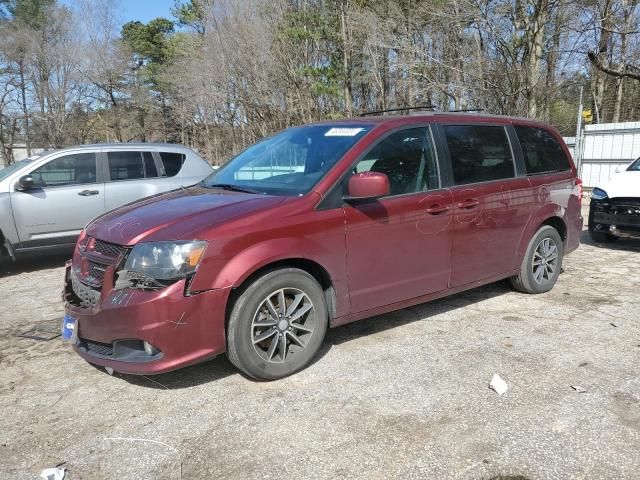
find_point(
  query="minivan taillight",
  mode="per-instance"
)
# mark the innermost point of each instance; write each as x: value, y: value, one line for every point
x: 580, y: 190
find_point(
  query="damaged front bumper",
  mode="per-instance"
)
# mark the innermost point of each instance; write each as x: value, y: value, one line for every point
x: 617, y: 216
x: 138, y: 331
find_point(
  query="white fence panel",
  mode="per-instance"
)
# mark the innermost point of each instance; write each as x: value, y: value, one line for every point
x: 605, y: 147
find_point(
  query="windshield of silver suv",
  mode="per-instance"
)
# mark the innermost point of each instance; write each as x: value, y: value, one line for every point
x: 14, y: 167
x: 289, y: 163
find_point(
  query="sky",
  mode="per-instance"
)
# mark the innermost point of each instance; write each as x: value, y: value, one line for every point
x: 142, y: 10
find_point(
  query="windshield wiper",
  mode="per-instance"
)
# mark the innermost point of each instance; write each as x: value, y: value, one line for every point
x: 234, y: 188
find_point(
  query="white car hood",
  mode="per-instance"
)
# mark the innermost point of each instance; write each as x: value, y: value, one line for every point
x: 624, y: 184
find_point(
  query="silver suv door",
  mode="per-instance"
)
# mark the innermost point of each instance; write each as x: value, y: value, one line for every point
x: 67, y: 194
x: 132, y: 175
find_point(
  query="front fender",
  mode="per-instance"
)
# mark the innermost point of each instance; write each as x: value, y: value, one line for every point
x: 7, y: 225
x: 242, y: 265
x: 235, y: 270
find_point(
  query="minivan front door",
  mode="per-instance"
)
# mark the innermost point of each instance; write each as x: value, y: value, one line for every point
x: 65, y: 197
x: 399, y: 247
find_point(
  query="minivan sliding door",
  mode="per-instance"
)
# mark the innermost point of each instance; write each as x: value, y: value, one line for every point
x: 492, y: 204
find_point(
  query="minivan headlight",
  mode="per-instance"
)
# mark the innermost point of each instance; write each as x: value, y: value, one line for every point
x: 598, y: 194
x: 166, y: 260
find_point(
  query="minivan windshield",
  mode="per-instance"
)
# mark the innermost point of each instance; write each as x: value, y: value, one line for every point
x: 289, y: 163
x: 14, y: 167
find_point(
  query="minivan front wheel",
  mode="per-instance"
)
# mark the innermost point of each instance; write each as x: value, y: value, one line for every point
x: 542, y: 262
x: 277, y: 324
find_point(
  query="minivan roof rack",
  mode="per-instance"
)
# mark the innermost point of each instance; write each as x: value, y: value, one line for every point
x: 419, y: 107
x: 468, y: 110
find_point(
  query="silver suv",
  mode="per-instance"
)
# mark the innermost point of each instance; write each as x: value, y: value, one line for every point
x: 46, y: 201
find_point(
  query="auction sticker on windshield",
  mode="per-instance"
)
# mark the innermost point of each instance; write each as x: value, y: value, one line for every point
x: 343, y: 132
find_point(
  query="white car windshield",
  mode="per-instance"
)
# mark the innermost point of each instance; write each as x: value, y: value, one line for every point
x: 635, y: 166
x: 289, y: 163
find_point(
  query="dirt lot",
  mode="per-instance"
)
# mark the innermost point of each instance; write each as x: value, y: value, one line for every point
x: 402, y: 395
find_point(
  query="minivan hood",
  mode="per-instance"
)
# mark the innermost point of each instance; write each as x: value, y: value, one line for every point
x: 623, y: 184
x: 176, y: 215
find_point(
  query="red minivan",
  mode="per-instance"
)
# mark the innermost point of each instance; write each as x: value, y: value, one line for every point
x: 318, y: 226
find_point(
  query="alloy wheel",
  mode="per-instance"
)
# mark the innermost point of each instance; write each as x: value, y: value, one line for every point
x: 282, y: 325
x: 545, y: 261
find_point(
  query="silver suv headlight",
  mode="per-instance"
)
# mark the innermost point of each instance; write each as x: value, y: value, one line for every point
x: 166, y: 260
x: 598, y: 194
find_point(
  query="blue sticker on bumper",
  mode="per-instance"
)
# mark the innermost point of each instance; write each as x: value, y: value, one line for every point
x: 69, y: 325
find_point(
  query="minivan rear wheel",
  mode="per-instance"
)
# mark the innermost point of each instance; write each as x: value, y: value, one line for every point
x: 277, y: 324
x: 542, y: 262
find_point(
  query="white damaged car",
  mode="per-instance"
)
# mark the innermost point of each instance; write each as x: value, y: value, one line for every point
x: 615, y: 206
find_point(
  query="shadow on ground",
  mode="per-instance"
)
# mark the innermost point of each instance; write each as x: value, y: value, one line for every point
x: 35, y: 262
x: 628, y: 244
x: 220, y: 367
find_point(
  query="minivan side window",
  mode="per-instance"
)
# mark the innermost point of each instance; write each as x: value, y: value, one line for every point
x: 407, y: 158
x: 542, y: 153
x: 125, y: 165
x: 479, y: 153
x: 75, y: 169
x: 172, y: 162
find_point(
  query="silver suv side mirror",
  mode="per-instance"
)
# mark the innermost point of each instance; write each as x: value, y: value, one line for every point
x: 25, y: 183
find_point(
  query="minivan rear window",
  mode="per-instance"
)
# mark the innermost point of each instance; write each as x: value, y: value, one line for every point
x: 479, y: 153
x: 172, y: 162
x: 542, y: 153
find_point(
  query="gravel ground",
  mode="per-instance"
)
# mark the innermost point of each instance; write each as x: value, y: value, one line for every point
x: 402, y: 395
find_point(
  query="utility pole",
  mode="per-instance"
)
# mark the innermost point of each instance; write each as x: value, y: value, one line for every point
x: 595, y: 105
x: 578, y: 146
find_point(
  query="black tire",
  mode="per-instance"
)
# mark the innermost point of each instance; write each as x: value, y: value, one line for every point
x: 5, y: 259
x: 528, y: 282
x: 253, y: 358
x: 602, y: 237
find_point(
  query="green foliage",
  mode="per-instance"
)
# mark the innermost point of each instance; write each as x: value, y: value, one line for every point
x: 562, y: 115
x: 151, y: 41
x: 153, y: 44
x: 317, y: 26
x: 32, y: 13
x: 191, y: 14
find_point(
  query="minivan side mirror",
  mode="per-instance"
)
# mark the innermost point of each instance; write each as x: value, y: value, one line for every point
x: 367, y: 186
x: 618, y: 169
x: 25, y: 183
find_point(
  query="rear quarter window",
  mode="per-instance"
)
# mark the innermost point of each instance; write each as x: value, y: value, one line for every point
x: 542, y: 152
x: 172, y: 162
x: 131, y: 165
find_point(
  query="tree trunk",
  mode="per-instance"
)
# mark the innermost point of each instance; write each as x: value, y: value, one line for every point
x: 627, y: 8
x: 535, y: 46
x: 552, y: 62
x: 25, y: 111
x: 346, y: 59
x: 599, y: 85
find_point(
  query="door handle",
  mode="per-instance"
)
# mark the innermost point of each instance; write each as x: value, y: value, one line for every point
x: 437, y: 209
x: 88, y: 193
x: 469, y: 203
